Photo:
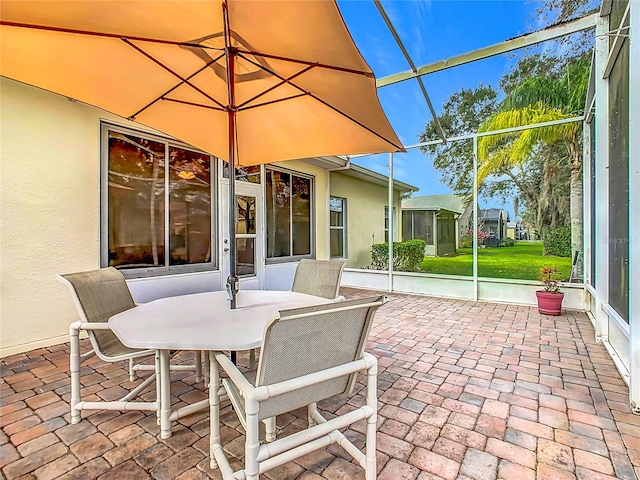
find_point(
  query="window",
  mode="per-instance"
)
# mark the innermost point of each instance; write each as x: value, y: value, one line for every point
x: 386, y: 224
x: 289, y: 221
x: 157, y: 212
x: 337, y: 230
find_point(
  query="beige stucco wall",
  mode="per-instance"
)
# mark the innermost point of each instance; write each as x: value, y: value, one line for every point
x: 49, y: 210
x: 365, y: 215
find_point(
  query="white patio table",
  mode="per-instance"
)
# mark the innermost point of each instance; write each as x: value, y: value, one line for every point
x: 200, y: 321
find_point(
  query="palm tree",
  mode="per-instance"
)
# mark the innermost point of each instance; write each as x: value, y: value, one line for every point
x: 537, y: 100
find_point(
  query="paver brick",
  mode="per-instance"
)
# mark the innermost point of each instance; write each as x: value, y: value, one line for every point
x: 423, y: 434
x: 56, y: 468
x: 556, y: 455
x: 479, y: 465
x: 434, y: 463
x: 396, y: 470
x: 508, y: 470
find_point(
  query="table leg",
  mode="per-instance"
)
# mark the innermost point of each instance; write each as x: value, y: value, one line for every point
x: 165, y: 395
x: 214, y: 407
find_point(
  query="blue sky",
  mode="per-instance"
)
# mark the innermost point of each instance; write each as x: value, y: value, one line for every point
x: 431, y: 30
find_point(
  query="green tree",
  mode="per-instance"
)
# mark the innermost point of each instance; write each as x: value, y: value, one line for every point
x: 537, y: 100
x: 463, y: 113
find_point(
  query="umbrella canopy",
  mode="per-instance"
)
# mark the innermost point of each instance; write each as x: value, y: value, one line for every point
x: 302, y: 88
x: 250, y: 82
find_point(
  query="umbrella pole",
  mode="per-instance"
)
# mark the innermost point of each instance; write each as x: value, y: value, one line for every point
x: 232, y: 279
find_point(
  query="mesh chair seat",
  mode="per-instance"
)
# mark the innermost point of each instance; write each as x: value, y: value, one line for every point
x: 318, y: 277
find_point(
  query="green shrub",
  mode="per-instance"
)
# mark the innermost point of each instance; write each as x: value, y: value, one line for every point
x: 558, y: 242
x: 466, y: 241
x: 407, y: 256
x: 507, y: 242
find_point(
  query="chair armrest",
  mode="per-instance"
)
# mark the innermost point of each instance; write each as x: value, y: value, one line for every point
x: 235, y: 375
x: 268, y: 391
x: 89, y: 326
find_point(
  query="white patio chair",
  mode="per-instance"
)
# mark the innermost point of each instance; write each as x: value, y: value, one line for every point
x: 318, y: 277
x: 308, y: 354
x: 98, y: 295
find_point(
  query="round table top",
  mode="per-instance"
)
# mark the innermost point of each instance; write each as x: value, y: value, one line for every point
x: 204, y: 321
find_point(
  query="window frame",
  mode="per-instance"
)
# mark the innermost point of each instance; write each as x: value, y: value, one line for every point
x: 343, y: 227
x: 167, y: 269
x: 312, y: 216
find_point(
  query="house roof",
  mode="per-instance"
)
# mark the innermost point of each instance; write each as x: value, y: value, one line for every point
x: 493, y: 214
x: 356, y: 171
x: 454, y: 203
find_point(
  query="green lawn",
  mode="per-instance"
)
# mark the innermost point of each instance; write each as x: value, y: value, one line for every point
x: 522, y: 261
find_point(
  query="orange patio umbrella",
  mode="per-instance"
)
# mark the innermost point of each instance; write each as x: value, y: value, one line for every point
x: 249, y: 81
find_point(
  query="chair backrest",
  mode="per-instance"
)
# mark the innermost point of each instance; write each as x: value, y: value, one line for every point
x: 318, y: 277
x: 98, y: 295
x: 307, y: 340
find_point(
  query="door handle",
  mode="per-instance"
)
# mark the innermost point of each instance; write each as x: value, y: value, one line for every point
x: 226, y: 249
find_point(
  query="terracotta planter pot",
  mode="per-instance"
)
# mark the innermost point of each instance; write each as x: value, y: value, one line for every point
x: 549, y: 303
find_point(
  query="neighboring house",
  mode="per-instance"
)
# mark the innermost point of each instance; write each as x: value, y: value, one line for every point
x: 82, y: 189
x: 493, y: 221
x: 360, y: 214
x: 439, y: 220
x: 517, y: 231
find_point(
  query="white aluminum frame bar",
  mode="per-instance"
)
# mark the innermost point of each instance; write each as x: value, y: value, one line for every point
x: 391, y: 222
x: 602, y: 182
x: 414, y: 69
x: 583, y: 23
x: 620, y: 35
x: 475, y: 219
x: 634, y: 206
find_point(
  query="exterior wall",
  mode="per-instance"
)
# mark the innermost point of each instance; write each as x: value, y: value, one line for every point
x: 365, y: 215
x: 49, y: 209
x: 49, y: 199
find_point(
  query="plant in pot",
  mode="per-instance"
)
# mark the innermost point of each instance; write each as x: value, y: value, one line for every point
x: 550, y: 299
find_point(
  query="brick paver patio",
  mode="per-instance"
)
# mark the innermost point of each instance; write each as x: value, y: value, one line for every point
x: 467, y: 390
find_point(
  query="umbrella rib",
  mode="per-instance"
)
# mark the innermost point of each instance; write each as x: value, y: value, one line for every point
x: 102, y: 34
x: 175, y: 74
x: 193, y: 104
x: 161, y: 97
x: 276, y: 101
x: 282, y: 82
x: 305, y: 62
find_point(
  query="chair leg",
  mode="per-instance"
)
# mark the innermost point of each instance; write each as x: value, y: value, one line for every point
x: 198, y: 362
x: 132, y: 372
x: 74, y: 368
x: 252, y: 441
x: 310, y: 411
x: 372, y: 402
x: 270, y: 427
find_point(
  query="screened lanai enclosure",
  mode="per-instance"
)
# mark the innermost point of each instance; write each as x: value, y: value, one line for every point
x: 552, y: 147
x: 520, y: 127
